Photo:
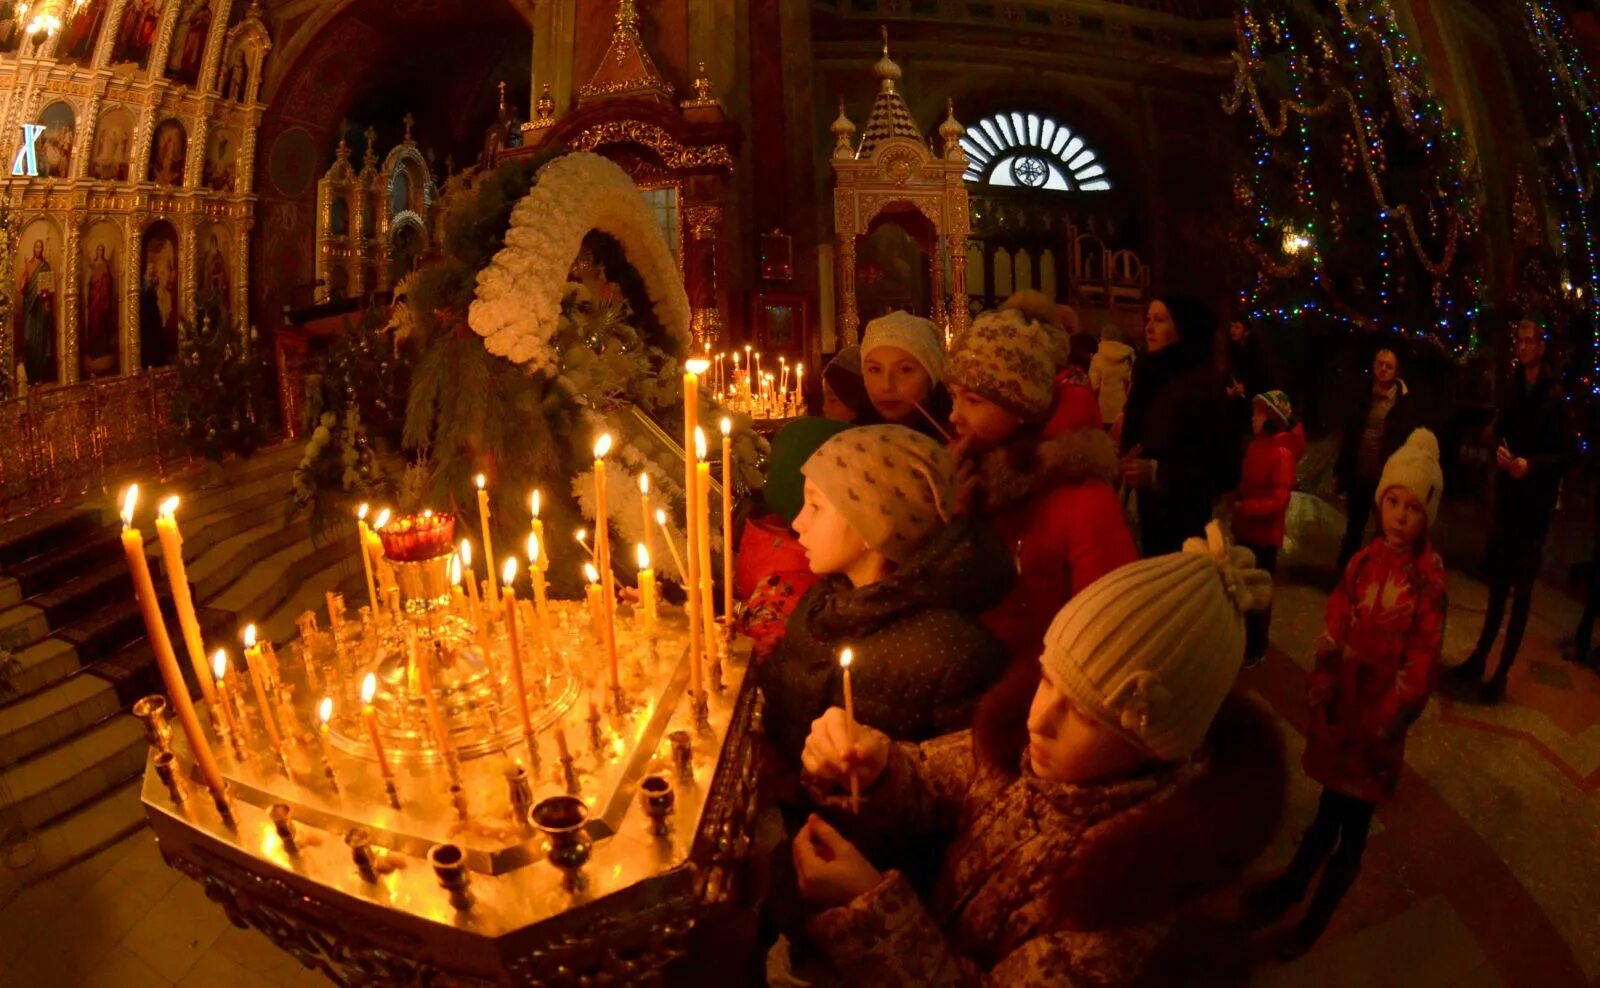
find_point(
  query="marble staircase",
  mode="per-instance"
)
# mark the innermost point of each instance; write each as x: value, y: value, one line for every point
x: 71, y: 755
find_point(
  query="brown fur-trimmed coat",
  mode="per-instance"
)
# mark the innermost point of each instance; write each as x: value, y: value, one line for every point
x: 1051, y: 501
x: 1048, y: 883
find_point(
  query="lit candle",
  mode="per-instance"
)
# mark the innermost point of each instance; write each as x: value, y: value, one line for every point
x: 592, y: 593
x: 424, y: 669
x: 691, y: 428
x: 182, y: 600
x: 471, y: 578
x: 672, y: 547
x: 536, y: 566
x: 756, y: 368
x: 581, y: 536
x: 324, y: 713
x: 846, y: 656
x: 537, y: 528
x: 219, y: 669
x: 727, y: 520
x: 488, y: 545
x: 702, y: 490
x: 799, y: 386
x: 644, y: 508
x: 385, y: 572
x: 364, y: 534
x: 647, y: 589
x: 156, y: 629
x: 509, y: 593
x: 602, y: 548
x: 253, y: 662
x: 783, y: 377
x: 369, y: 713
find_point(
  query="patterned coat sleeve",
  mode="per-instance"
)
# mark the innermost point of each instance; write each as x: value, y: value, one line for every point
x: 885, y: 937
x: 920, y: 791
x: 1335, y: 634
x: 1419, y: 666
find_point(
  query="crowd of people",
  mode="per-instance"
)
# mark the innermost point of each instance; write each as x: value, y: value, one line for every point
x: 1051, y: 759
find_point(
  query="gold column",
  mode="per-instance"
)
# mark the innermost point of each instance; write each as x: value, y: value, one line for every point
x: 845, y: 264
x: 960, y: 317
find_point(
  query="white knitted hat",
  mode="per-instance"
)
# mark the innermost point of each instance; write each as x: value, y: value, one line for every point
x: 1415, y: 466
x: 913, y: 334
x: 1151, y: 650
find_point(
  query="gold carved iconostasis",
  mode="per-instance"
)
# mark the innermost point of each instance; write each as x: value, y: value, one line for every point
x: 136, y: 217
x: 375, y: 224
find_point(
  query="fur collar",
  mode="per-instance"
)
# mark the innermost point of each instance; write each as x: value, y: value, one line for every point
x: 1027, y: 465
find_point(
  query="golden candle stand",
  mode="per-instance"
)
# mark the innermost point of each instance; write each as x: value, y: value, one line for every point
x: 489, y: 873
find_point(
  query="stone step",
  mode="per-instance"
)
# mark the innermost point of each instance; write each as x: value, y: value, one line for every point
x: 271, y: 581
x: 204, y: 491
x: 227, y: 561
x: 39, y: 665
x: 44, y: 718
x: 343, y: 577
x: 36, y: 533
x: 132, y: 669
x: 21, y: 626
x: 202, y: 536
x: 10, y: 592
x: 58, y: 781
x: 90, y: 828
x: 93, y: 589
x: 50, y: 569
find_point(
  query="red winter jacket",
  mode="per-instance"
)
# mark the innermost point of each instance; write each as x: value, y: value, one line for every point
x: 1052, y: 503
x: 1377, y: 664
x: 771, y: 574
x: 1075, y: 407
x: 1266, y: 481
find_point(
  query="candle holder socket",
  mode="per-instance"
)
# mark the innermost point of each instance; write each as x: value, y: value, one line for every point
x: 682, y: 754
x: 521, y: 793
x: 152, y: 710
x: 167, y: 772
x: 394, y: 794
x: 562, y: 820
x: 359, y: 840
x: 458, y: 799
x: 282, y: 815
x: 569, y: 775
x: 449, y: 863
x: 657, y: 795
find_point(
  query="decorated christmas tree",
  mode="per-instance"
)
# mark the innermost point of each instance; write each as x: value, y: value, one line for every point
x: 1358, y: 204
x: 221, y: 403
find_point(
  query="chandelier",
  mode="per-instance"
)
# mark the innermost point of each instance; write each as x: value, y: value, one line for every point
x: 48, y: 15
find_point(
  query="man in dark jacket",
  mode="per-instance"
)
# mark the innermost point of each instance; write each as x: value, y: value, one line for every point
x: 1530, y: 461
x: 1378, y: 423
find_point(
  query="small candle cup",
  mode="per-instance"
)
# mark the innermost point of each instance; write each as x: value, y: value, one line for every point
x: 359, y: 840
x: 562, y: 820
x: 152, y: 710
x: 167, y: 772
x: 682, y: 754
x: 282, y: 816
x: 449, y: 863
x: 521, y: 793
x: 657, y: 796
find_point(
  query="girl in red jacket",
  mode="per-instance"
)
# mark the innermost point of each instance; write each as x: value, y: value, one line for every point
x: 1377, y: 663
x: 1262, y: 500
x: 1044, y: 486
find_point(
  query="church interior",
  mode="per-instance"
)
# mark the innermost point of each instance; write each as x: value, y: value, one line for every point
x: 307, y: 303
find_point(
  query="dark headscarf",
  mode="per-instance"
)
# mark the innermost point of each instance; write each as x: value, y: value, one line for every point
x: 1196, y: 328
x: 843, y: 375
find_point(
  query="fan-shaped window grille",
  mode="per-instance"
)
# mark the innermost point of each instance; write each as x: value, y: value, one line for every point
x: 1025, y: 150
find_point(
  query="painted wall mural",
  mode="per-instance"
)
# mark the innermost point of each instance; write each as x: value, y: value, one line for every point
x: 113, y: 144
x: 222, y: 154
x: 212, y: 282
x: 55, y: 144
x: 137, y: 32
x: 36, y: 290
x: 158, y: 296
x: 189, y: 41
x: 78, y: 36
x: 167, y: 152
x: 100, y: 322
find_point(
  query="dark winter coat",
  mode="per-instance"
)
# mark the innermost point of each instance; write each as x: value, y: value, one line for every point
x: 1052, y: 503
x: 1532, y: 424
x: 1397, y: 425
x: 1377, y: 663
x: 1047, y: 883
x: 1175, y: 414
x: 922, y: 660
x: 1265, y: 484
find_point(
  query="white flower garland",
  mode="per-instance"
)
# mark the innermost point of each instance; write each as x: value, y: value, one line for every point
x: 518, y: 303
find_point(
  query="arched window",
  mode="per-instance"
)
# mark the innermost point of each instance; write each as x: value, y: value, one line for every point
x: 1025, y: 150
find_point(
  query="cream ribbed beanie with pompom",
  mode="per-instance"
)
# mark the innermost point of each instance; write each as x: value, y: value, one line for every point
x: 1415, y: 466
x: 1151, y: 650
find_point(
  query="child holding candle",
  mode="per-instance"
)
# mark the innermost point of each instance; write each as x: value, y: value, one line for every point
x: 1099, y: 793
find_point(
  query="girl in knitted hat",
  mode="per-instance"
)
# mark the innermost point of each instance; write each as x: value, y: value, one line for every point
x: 1262, y: 501
x: 1377, y: 663
x: 844, y: 394
x: 1049, y: 497
x: 1085, y: 809
x: 902, y: 357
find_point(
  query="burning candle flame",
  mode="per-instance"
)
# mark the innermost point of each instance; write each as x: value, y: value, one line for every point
x: 369, y: 688
x: 169, y: 507
x: 130, y: 500
x: 846, y: 656
x: 466, y: 553
x: 249, y: 636
x: 383, y: 519
x: 480, y: 480
x: 455, y: 569
x: 582, y: 535
x: 602, y: 446
x: 727, y: 426
x: 697, y: 366
x: 592, y: 574
x: 361, y: 512
x: 644, y: 483
x: 325, y: 710
x: 533, y: 549
x: 219, y: 664
x: 661, y: 517
x: 642, y: 555
x: 534, y: 502
x: 699, y: 443
x: 508, y: 573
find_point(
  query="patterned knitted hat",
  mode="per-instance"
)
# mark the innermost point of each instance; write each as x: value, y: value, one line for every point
x: 1040, y: 308
x: 1152, y: 649
x: 1278, y: 404
x: 1415, y: 466
x: 1005, y: 357
x: 894, y: 486
x: 913, y: 334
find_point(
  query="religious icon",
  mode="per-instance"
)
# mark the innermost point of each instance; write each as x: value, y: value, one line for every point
x: 236, y: 80
x: 158, y: 296
x: 189, y: 41
x: 222, y: 149
x: 212, y: 278
x: 97, y: 348
x: 137, y: 32
x: 35, y: 287
x: 167, y: 153
x: 78, y: 38
x: 55, y: 144
x: 399, y: 192
x: 113, y: 140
